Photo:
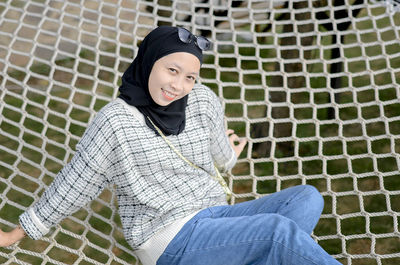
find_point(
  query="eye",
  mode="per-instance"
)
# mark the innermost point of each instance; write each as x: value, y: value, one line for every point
x: 172, y: 70
x: 191, y: 78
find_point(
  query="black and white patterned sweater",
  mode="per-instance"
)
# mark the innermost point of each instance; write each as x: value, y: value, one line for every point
x: 154, y: 185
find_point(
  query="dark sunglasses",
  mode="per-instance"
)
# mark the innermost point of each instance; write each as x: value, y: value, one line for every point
x: 187, y: 37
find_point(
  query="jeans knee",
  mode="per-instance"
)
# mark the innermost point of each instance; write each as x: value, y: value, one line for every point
x: 314, y: 197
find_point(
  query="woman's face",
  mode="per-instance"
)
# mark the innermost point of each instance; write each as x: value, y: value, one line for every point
x: 173, y: 77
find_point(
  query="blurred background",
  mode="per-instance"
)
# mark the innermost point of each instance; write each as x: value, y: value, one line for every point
x: 313, y: 85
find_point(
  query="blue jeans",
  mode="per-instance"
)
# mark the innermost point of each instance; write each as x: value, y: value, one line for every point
x: 272, y: 230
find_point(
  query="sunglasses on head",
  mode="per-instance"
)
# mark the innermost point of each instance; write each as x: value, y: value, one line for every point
x: 187, y: 37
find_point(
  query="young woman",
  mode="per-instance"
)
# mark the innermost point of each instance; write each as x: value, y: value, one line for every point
x: 159, y: 142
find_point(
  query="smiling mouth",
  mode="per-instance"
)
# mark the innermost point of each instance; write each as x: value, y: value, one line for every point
x: 168, y: 95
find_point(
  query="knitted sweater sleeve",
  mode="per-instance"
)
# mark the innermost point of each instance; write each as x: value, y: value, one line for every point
x: 80, y: 181
x: 223, y: 154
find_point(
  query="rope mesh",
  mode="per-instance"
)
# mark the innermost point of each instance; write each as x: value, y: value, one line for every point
x: 313, y: 85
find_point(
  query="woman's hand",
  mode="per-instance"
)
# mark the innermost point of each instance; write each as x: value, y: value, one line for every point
x: 233, y: 139
x: 9, y: 238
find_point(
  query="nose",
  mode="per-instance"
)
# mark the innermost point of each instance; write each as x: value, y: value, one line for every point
x: 178, y: 84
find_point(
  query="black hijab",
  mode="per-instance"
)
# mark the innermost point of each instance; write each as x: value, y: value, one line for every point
x: 134, y: 90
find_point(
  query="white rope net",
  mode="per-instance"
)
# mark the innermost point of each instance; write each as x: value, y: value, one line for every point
x: 313, y: 85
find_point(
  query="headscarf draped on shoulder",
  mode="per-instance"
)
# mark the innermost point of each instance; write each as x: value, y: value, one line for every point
x: 134, y: 89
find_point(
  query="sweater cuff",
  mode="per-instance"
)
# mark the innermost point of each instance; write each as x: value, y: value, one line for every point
x: 232, y: 161
x: 230, y: 164
x: 33, y: 227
